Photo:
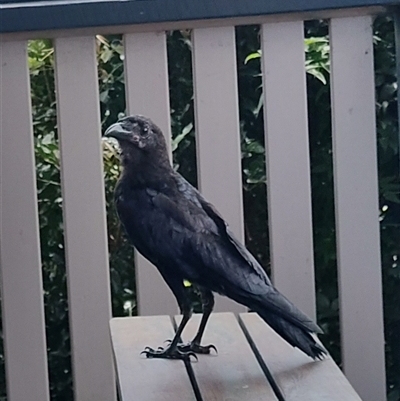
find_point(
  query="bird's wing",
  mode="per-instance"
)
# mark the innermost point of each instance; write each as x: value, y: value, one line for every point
x: 203, y: 247
x: 235, y: 266
x: 191, y: 193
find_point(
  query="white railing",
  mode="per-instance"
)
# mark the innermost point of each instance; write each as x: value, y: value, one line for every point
x: 219, y: 167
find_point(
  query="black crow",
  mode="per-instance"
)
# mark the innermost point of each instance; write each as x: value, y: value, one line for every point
x: 175, y: 228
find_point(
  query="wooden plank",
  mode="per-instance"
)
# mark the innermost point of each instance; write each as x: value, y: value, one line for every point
x: 20, y: 262
x: 297, y: 375
x: 72, y: 15
x: 357, y: 208
x: 288, y: 162
x: 84, y: 218
x: 147, y: 93
x: 145, y: 379
x: 217, y: 129
x: 234, y: 374
x: 189, y: 24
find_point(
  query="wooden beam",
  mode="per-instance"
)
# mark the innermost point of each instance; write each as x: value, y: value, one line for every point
x: 357, y: 208
x: 217, y: 129
x: 297, y: 375
x: 288, y: 162
x: 232, y: 374
x: 20, y: 262
x: 88, y: 276
x: 147, y: 93
x: 140, y: 378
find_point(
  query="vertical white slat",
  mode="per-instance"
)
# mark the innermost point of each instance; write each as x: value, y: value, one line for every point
x: 147, y: 93
x: 84, y: 218
x: 356, y: 202
x: 288, y: 164
x: 217, y: 129
x: 20, y: 262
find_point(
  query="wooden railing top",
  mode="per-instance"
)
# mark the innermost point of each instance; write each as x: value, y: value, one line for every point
x: 17, y: 16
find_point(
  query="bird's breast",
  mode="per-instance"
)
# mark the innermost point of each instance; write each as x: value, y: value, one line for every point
x: 142, y: 224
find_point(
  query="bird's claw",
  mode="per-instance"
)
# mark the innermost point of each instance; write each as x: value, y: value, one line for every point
x: 197, y: 348
x: 189, y: 354
x: 169, y: 353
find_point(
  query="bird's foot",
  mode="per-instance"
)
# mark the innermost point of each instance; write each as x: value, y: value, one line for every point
x: 197, y: 348
x: 169, y: 353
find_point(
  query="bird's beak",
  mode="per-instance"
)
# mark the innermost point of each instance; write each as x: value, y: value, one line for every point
x: 117, y: 131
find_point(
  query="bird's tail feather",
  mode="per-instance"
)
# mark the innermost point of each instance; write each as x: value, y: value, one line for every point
x: 294, y: 335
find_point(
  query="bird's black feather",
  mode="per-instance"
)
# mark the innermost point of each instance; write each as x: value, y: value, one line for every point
x: 184, y: 236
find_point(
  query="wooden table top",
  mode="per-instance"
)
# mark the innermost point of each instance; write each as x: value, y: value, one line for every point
x: 251, y: 357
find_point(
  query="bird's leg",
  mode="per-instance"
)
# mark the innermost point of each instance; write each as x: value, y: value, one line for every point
x: 171, y: 351
x: 207, y: 300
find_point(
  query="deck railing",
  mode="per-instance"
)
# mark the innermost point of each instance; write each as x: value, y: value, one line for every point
x: 219, y: 169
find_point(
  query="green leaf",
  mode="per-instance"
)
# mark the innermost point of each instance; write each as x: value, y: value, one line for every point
x: 104, y: 96
x: 106, y: 54
x: 253, y: 56
x: 316, y: 73
x: 177, y: 140
x: 392, y: 197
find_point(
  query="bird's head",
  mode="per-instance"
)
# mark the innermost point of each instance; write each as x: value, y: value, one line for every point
x: 137, y: 135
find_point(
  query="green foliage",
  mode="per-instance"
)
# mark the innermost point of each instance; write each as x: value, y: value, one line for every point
x: 181, y: 103
x: 389, y: 202
x: 112, y: 106
x: 111, y: 78
x: 123, y: 287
